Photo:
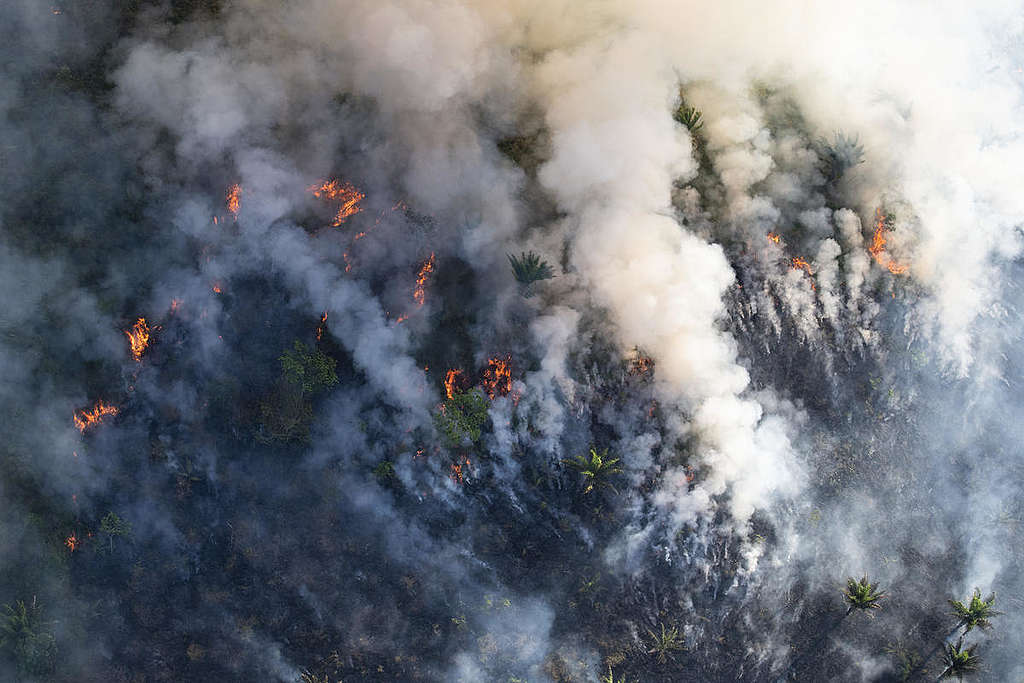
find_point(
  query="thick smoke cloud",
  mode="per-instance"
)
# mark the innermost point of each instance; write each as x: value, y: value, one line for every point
x: 791, y: 323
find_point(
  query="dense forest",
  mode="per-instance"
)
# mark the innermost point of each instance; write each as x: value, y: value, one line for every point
x: 510, y: 341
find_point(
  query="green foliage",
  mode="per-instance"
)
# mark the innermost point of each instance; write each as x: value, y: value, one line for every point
x: 23, y: 635
x: 690, y: 117
x: 976, y: 612
x: 909, y: 661
x: 862, y: 595
x: 287, y: 412
x: 529, y: 268
x: 839, y: 156
x: 610, y: 677
x: 384, y: 471
x: 665, y: 644
x: 310, y: 369
x: 959, y: 661
x: 597, y: 469
x: 462, y: 417
x: 112, y: 525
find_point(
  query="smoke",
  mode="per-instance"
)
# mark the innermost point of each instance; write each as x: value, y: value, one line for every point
x: 784, y: 247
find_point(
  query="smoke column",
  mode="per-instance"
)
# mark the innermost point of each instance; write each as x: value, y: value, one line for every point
x: 494, y: 341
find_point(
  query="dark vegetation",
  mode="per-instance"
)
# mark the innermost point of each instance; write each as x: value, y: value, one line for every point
x: 217, y: 547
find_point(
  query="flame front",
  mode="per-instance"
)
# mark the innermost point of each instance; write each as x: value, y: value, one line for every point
x: 877, y: 248
x: 799, y: 263
x: 320, y: 327
x: 497, y: 379
x: 234, y: 200
x: 420, y: 293
x: 347, y: 194
x: 775, y: 237
x: 460, y: 470
x: 71, y: 542
x: 88, y: 418
x: 138, y: 338
x: 451, y: 379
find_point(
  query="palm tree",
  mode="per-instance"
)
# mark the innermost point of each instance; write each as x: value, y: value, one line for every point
x: 690, y: 117
x: 959, y: 661
x: 529, y: 268
x: 977, y: 612
x: 862, y: 595
x: 665, y: 643
x: 610, y: 677
x: 596, y: 469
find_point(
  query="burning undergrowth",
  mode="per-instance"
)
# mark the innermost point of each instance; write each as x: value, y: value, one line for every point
x: 492, y: 354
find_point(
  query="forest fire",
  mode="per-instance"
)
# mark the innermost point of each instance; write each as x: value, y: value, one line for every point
x: 216, y: 287
x: 640, y: 364
x: 71, y: 542
x: 452, y: 380
x: 88, y: 418
x: 798, y: 263
x: 138, y: 338
x: 877, y: 248
x: 347, y: 194
x: 460, y: 470
x: 419, y: 294
x: 234, y: 200
x: 320, y: 327
x: 497, y: 380
x: 775, y: 237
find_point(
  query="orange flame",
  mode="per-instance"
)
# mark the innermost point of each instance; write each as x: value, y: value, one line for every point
x: 87, y: 418
x: 420, y: 293
x: 459, y: 471
x: 799, y: 263
x: 71, y: 542
x: 497, y: 379
x: 640, y: 364
x: 877, y: 248
x: 401, y: 318
x: 775, y: 237
x: 320, y: 327
x: 346, y: 193
x: 138, y: 338
x: 234, y: 200
x: 450, y: 379
x: 216, y: 287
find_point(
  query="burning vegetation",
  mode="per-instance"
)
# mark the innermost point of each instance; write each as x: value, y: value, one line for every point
x: 138, y: 338
x: 884, y: 224
x: 497, y: 377
x: 419, y: 293
x: 85, y: 419
x: 233, y: 200
x: 345, y: 195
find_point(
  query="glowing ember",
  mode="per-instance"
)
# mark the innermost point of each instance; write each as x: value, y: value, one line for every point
x: 452, y: 379
x: 640, y: 364
x: 877, y: 248
x: 88, y: 418
x: 420, y: 293
x: 402, y: 318
x: 799, y: 263
x: 497, y: 379
x: 216, y: 288
x: 774, y: 237
x: 234, y: 200
x: 460, y: 470
x: 71, y: 542
x: 320, y: 327
x: 175, y: 305
x: 138, y: 338
x: 345, y: 193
